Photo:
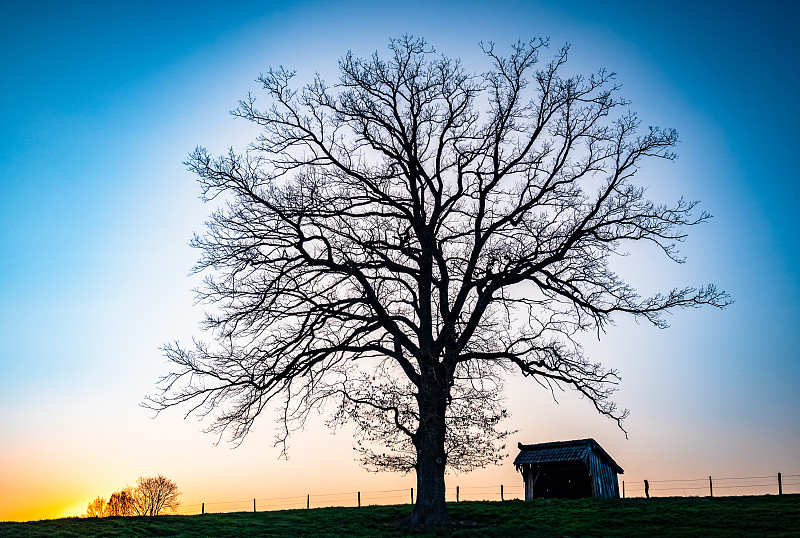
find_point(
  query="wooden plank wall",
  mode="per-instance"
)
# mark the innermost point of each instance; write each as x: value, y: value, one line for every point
x: 528, y: 474
x: 604, y: 479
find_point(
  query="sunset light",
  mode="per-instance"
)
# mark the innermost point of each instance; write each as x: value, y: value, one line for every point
x: 116, y: 117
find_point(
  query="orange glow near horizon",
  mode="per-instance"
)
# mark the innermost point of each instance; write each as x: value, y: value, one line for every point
x: 37, y: 501
x: 44, y: 482
x: 47, y: 482
x: 56, y: 511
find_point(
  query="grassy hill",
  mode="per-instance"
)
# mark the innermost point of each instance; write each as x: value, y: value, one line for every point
x: 722, y: 516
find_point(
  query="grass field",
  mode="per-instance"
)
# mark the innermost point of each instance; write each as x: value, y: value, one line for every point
x: 693, y: 516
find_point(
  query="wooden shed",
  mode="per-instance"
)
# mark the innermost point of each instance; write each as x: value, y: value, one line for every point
x: 567, y: 470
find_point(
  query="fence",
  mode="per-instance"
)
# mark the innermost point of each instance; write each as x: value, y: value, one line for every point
x: 353, y: 498
x: 713, y: 486
x: 692, y: 487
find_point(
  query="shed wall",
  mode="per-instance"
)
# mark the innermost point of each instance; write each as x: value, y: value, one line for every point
x: 604, y: 479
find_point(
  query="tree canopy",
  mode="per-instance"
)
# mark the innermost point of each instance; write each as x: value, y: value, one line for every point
x: 152, y: 496
x: 398, y: 242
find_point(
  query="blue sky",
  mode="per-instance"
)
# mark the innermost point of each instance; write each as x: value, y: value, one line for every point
x: 101, y: 104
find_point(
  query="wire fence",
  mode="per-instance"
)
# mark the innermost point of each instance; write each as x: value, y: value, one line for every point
x: 691, y: 487
x: 352, y: 498
x: 712, y: 486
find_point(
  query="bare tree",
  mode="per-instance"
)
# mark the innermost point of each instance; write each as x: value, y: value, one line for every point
x: 396, y: 243
x: 120, y: 503
x: 153, y: 495
x: 96, y: 508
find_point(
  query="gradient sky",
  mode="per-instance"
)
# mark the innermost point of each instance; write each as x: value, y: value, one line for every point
x: 101, y: 103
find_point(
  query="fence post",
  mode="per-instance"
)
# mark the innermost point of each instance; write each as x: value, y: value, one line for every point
x: 457, y: 487
x: 202, y: 508
x: 359, y: 499
x: 308, y: 501
x: 710, y: 487
x: 501, y: 492
x: 780, y: 486
x: 254, y: 506
x: 412, y: 495
x: 646, y: 489
x: 623, y: 489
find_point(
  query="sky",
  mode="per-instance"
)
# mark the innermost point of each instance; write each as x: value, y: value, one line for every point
x: 101, y: 102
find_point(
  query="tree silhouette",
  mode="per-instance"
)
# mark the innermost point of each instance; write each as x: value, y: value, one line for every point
x: 96, y: 508
x: 121, y: 503
x: 153, y: 495
x: 395, y: 244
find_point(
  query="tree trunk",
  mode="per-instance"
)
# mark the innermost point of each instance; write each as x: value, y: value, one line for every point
x: 430, y: 509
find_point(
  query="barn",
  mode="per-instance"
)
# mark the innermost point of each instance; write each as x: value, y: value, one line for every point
x: 567, y: 470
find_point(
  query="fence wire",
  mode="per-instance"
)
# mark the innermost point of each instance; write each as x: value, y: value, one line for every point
x: 714, y: 486
x: 675, y: 487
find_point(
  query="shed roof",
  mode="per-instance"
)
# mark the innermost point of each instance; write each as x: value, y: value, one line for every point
x: 562, y: 451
